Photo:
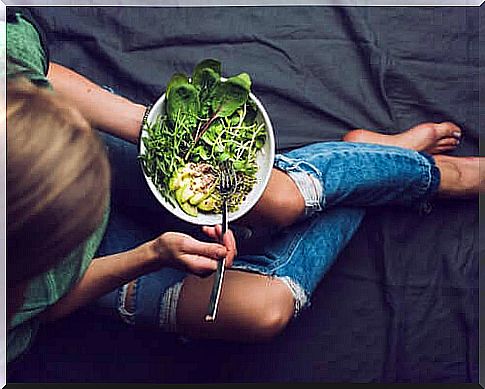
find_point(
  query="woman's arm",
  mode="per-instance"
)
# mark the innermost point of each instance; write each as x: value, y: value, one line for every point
x: 171, y: 249
x: 104, y: 110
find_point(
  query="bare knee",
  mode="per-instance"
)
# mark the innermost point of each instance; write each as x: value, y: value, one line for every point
x: 252, y: 308
x: 270, y: 324
x: 287, y: 207
x: 281, y: 203
x: 272, y: 314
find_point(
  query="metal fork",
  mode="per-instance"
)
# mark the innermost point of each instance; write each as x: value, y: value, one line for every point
x: 227, y: 186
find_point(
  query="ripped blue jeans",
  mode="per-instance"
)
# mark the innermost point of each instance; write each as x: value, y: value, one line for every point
x: 337, y: 180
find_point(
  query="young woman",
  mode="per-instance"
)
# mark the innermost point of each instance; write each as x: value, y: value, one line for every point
x: 316, y: 197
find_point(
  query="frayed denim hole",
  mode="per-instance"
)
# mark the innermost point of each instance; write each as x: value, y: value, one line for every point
x: 294, y: 167
x: 302, y: 300
x: 168, y: 307
x: 125, y: 315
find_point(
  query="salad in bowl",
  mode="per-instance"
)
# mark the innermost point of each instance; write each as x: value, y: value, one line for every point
x: 201, y: 121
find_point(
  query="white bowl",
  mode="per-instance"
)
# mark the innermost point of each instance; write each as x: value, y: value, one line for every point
x: 264, y: 158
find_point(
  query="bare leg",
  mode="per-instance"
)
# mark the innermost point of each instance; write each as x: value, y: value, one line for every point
x: 252, y: 307
x: 433, y: 138
x: 280, y: 205
x: 460, y: 176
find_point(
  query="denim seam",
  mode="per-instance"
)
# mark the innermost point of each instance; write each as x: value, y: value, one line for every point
x: 433, y: 174
x: 295, y: 243
x: 425, y: 177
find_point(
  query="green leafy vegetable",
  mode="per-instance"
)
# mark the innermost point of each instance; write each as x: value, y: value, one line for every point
x: 206, y: 78
x: 207, y: 121
x: 182, y: 99
x: 230, y: 95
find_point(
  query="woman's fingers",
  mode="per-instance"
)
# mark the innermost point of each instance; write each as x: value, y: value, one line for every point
x: 230, y: 244
x: 211, y: 232
x: 228, y: 240
x: 209, y: 250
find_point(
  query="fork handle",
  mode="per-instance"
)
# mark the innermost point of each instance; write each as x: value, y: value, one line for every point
x: 224, y: 218
x: 216, y: 291
x: 221, y: 265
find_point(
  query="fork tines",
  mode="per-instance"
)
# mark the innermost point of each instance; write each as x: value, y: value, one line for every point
x: 228, y: 178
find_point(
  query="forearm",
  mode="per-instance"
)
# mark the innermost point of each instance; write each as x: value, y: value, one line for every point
x: 104, y: 110
x: 104, y: 275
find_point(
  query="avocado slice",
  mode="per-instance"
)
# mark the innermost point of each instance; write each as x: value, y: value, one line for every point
x: 182, y: 193
x: 174, y: 183
x: 200, y: 196
x: 207, y: 204
x: 189, y: 209
x: 179, y: 177
x: 187, y: 192
x: 197, y: 198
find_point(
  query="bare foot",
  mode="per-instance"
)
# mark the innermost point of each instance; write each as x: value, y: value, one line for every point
x: 433, y: 138
x: 461, y: 176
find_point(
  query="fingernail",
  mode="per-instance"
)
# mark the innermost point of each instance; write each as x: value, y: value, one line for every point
x: 457, y: 134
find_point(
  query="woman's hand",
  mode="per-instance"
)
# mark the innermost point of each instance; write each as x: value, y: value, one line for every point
x: 183, y: 252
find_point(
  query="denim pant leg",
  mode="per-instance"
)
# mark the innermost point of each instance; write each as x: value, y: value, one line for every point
x: 301, y: 254
x: 135, y: 218
x: 359, y: 174
x: 152, y: 307
x: 336, y: 180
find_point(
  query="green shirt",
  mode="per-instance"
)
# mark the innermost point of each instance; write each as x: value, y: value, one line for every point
x: 28, y: 58
x: 24, y: 48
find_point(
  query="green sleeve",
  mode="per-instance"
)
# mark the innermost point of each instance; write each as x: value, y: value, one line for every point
x: 25, y: 53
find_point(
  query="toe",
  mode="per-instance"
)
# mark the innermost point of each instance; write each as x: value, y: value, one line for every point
x: 440, y: 149
x: 448, y: 129
x: 448, y: 142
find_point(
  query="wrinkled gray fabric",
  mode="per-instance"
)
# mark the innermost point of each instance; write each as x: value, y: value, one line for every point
x: 401, y: 303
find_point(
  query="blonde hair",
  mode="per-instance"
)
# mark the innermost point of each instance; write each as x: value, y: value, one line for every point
x: 58, y: 180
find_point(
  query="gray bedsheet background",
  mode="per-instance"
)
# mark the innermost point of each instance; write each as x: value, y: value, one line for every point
x: 401, y: 302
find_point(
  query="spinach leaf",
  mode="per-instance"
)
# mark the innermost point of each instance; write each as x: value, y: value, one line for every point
x: 227, y: 97
x: 206, y: 74
x: 230, y: 95
x: 183, y: 99
x: 205, y: 78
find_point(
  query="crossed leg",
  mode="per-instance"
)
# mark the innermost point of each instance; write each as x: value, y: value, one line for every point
x: 460, y: 176
x: 257, y: 307
x: 282, y: 203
